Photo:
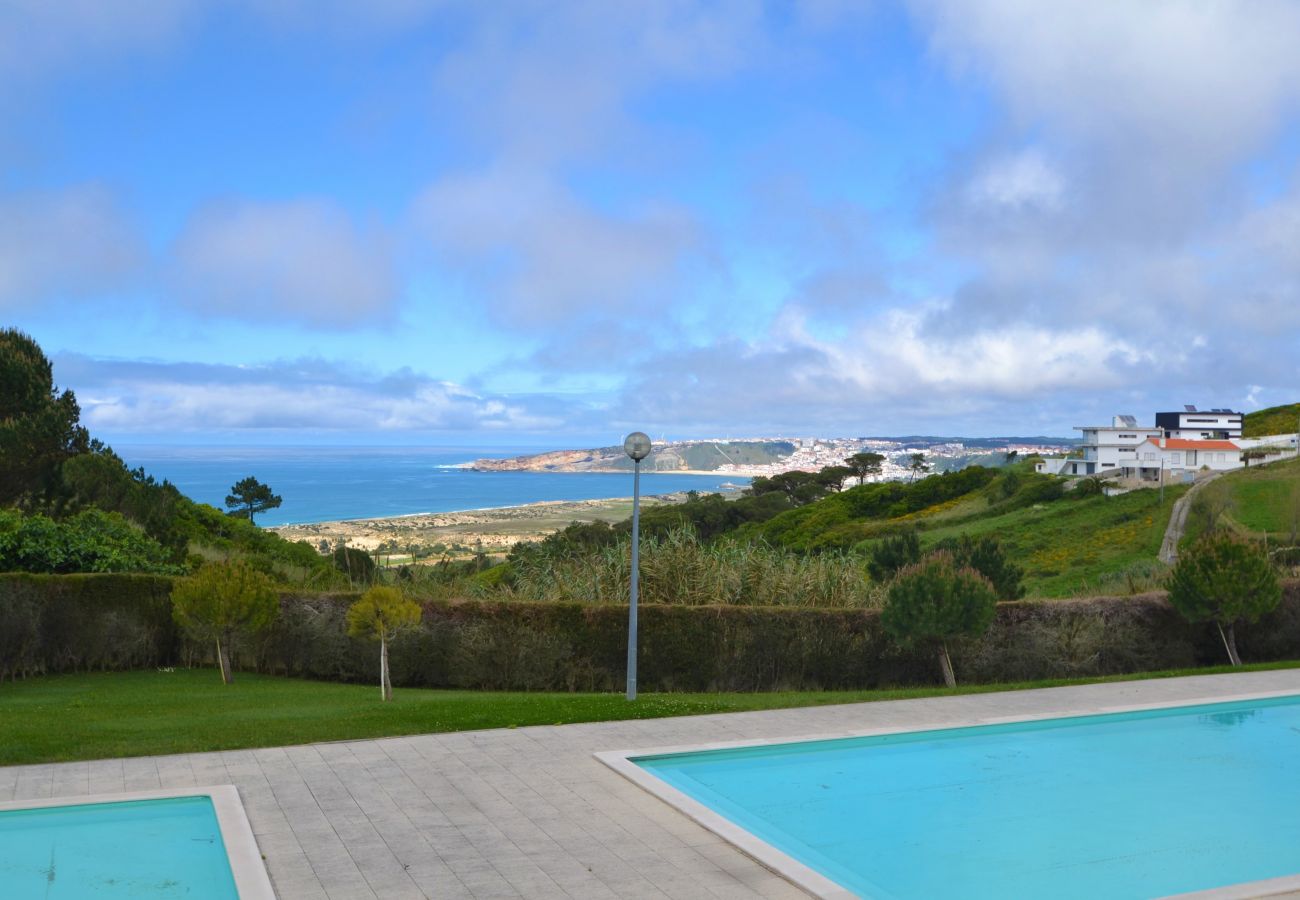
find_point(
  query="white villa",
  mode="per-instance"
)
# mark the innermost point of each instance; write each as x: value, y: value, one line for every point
x: 1160, y: 457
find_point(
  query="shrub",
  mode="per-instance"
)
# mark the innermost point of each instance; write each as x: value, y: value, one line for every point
x: 1224, y: 579
x: 934, y: 601
x: 985, y: 555
x: 356, y: 564
x: 887, y: 556
x: 90, y: 541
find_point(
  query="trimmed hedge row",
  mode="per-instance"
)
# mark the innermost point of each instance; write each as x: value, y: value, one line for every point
x: 72, y: 623
x: 66, y: 623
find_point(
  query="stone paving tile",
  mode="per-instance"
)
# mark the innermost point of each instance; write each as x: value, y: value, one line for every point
x: 511, y: 813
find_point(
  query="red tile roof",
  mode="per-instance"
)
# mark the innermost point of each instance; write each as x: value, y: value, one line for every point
x: 1185, y: 444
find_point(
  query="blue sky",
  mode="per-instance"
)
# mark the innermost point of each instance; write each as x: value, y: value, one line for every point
x: 428, y: 221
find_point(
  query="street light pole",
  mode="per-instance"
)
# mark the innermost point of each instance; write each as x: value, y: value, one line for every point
x: 637, y: 446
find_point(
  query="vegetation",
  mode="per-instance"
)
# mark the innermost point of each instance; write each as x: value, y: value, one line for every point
x: 90, y: 541
x: 1224, y: 579
x: 382, y: 614
x: 1273, y: 420
x: 249, y: 497
x: 223, y: 600
x: 39, y: 427
x: 1069, y: 546
x: 935, y: 601
x: 52, y: 472
x: 865, y: 465
x: 888, y: 555
x: 679, y: 569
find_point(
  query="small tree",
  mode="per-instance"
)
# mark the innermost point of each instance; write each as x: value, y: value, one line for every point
x: 381, y: 614
x: 1225, y: 579
x: 864, y: 465
x: 249, y: 497
x: 222, y: 600
x: 934, y: 601
x: 918, y: 465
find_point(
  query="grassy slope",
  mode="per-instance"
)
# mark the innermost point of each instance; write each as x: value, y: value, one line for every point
x: 1070, y: 546
x: 71, y: 717
x: 1066, y: 546
x: 1274, y: 420
x: 1263, y: 500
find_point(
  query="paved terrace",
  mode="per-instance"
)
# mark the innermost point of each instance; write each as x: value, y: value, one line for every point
x: 529, y: 812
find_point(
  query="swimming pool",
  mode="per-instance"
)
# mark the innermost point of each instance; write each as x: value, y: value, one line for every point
x: 194, y: 844
x: 1143, y: 803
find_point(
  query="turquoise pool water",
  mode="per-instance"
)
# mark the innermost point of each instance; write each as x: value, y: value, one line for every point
x: 138, y: 849
x: 1122, y: 805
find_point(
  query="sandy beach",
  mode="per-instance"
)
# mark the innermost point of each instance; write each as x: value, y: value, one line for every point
x: 431, y: 535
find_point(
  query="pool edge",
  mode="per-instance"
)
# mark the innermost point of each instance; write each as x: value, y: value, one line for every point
x: 818, y: 885
x: 252, y: 882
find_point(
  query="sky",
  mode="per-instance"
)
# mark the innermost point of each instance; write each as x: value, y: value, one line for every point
x: 516, y: 222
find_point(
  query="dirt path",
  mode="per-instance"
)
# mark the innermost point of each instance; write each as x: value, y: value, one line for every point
x: 1178, y: 521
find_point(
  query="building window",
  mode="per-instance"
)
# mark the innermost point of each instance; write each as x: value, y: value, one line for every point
x: 1176, y: 458
x: 1223, y: 457
x: 1150, y: 456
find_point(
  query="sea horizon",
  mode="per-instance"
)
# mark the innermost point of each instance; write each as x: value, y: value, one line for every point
x: 337, y: 483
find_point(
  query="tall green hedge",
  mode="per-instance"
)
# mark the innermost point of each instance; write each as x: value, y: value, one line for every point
x: 65, y: 623
x: 71, y: 623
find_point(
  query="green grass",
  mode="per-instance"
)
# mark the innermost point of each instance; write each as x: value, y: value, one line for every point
x: 1073, y: 547
x: 72, y: 717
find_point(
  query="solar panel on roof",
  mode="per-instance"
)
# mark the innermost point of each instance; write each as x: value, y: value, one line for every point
x: 1189, y: 408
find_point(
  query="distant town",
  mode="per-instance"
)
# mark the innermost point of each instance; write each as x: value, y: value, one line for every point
x: 1177, y: 443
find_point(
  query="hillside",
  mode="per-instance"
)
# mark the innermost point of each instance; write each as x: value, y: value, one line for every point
x: 1067, y: 542
x: 1273, y: 420
x: 1261, y: 500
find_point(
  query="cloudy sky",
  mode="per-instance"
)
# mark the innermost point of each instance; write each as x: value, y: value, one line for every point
x: 431, y: 221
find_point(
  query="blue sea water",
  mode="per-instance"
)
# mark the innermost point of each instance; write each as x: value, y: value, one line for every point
x: 136, y: 849
x: 1140, y: 804
x: 321, y: 484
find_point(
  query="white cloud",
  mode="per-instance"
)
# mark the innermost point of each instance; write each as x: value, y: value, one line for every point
x: 1019, y: 182
x: 303, y: 261
x: 1207, y: 79
x: 309, y: 394
x: 539, y: 257
x: 64, y: 245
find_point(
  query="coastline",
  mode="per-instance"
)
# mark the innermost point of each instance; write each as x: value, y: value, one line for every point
x: 427, y: 537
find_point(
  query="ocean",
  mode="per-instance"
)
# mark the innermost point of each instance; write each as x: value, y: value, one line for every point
x: 321, y: 484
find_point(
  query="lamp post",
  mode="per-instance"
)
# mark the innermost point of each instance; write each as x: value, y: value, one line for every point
x: 637, y: 446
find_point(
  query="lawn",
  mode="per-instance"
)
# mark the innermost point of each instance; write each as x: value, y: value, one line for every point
x: 72, y: 717
x: 1073, y: 547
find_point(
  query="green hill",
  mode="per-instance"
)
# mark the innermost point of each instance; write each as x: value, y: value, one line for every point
x: 1274, y: 420
x: 1068, y: 542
